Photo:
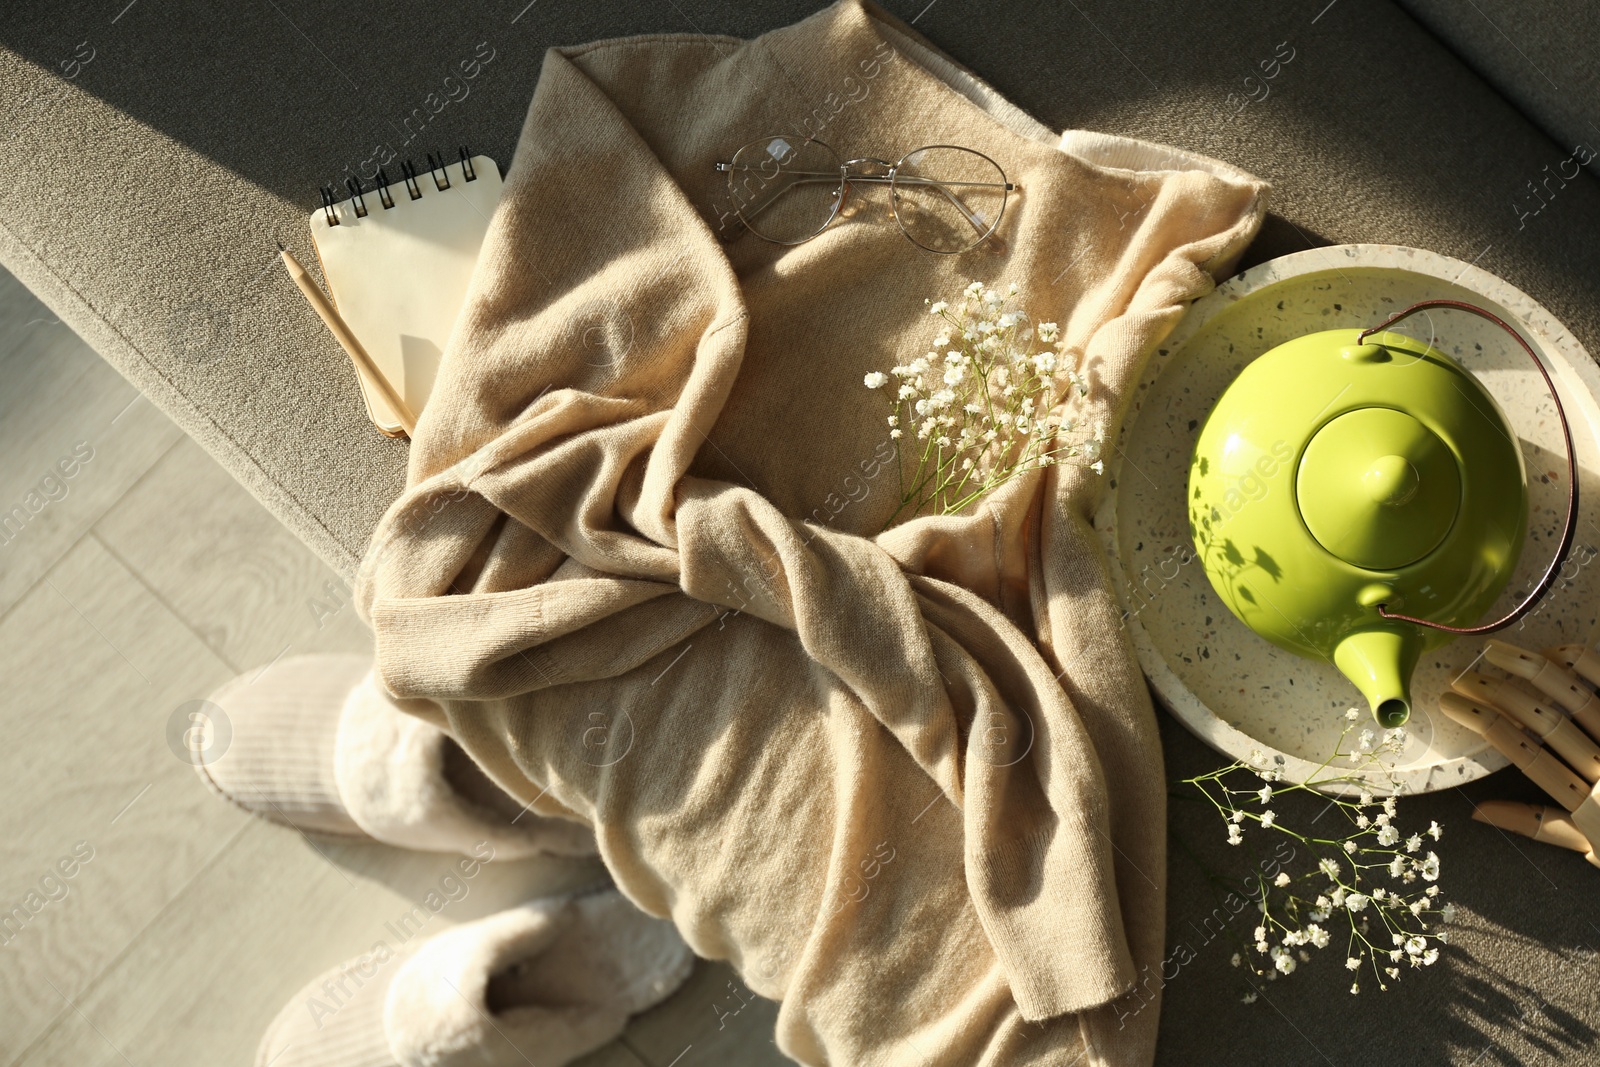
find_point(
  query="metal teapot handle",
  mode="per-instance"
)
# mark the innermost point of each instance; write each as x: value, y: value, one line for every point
x: 1572, y: 475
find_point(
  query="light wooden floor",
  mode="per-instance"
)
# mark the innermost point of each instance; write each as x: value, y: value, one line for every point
x: 143, y: 582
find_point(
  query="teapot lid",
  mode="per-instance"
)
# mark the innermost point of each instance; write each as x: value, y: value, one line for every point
x: 1377, y: 488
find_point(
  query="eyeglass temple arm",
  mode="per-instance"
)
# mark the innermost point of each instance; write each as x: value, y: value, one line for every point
x: 811, y: 177
x: 804, y: 178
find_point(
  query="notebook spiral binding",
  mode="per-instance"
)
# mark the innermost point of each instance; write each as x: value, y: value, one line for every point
x: 436, y: 168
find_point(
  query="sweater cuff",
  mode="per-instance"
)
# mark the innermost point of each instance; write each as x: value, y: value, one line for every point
x: 1129, y: 153
x: 1061, y: 953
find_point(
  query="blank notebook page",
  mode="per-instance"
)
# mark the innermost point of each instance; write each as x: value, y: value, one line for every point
x: 399, y: 275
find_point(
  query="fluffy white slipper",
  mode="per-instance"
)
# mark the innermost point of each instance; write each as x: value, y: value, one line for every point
x: 318, y: 745
x: 543, y: 983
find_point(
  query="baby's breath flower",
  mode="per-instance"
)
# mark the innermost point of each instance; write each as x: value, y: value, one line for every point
x: 1352, y: 964
x: 1282, y: 879
x: 1267, y: 818
x: 1414, y: 842
x: 938, y: 308
x: 1357, y: 901
x: 875, y: 380
x: 1430, y: 868
x: 1048, y: 331
x: 1435, y: 831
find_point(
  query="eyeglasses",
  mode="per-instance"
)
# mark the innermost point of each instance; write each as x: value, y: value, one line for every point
x: 945, y: 199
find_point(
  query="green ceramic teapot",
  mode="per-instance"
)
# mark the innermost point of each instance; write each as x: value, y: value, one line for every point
x: 1356, y: 496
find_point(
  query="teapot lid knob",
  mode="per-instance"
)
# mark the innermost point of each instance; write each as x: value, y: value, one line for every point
x: 1391, y: 480
x: 1377, y: 488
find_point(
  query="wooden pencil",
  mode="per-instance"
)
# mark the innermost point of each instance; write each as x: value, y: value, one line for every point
x: 347, y: 340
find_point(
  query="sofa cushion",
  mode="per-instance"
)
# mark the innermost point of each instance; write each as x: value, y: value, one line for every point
x: 1540, y: 54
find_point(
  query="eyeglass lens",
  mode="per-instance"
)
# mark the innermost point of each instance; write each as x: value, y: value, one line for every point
x: 786, y: 192
x: 948, y: 199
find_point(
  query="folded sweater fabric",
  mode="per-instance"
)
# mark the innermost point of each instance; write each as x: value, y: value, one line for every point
x: 908, y: 782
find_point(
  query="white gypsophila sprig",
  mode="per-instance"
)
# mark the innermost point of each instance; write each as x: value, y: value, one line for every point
x: 1370, y: 881
x: 981, y: 404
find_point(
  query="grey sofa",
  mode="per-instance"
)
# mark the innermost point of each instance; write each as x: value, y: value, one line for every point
x: 152, y: 159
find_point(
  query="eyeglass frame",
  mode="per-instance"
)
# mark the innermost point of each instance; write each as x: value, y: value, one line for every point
x: 890, y: 178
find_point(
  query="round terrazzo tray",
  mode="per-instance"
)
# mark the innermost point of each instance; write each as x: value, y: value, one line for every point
x: 1232, y: 688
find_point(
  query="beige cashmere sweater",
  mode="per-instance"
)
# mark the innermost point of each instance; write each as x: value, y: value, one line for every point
x: 909, y: 783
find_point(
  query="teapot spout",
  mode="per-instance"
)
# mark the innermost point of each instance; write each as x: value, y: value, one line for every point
x: 1380, y: 663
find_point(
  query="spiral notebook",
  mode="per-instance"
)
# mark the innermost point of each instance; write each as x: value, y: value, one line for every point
x: 397, y: 257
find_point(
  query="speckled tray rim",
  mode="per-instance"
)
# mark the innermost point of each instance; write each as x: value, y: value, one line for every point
x: 1523, y: 312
